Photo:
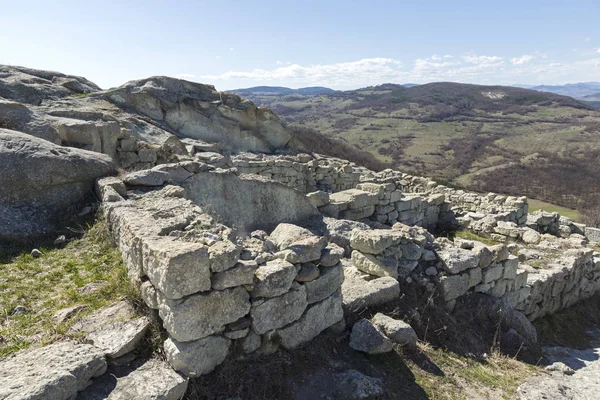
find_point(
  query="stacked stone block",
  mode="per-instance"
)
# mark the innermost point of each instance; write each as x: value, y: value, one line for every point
x: 216, y: 292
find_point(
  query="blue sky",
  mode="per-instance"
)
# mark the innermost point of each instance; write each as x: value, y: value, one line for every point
x: 339, y: 44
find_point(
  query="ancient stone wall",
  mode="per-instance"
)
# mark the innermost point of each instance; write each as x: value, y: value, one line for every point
x: 217, y: 292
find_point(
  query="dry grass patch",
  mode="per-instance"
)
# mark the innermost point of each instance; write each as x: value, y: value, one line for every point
x: 53, y: 281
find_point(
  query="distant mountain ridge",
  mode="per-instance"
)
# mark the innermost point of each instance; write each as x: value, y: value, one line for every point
x: 311, y: 90
x: 281, y: 91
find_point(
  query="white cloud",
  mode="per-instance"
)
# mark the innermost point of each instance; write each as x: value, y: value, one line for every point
x: 471, y: 68
x: 231, y: 49
x: 598, y: 50
x: 186, y: 76
x: 521, y: 60
x: 217, y: 57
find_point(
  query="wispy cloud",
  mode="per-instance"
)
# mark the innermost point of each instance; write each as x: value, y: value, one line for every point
x: 231, y: 49
x: 598, y: 50
x: 185, y: 76
x: 473, y: 68
x: 521, y: 60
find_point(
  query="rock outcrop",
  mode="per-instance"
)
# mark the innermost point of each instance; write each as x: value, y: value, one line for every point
x: 198, y: 111
x: 41, y: 182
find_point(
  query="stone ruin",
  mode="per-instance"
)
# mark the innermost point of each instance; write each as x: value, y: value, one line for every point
x: 247, y: 253
x: 241, y: 241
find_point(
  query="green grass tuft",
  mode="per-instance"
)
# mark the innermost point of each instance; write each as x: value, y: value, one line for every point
x: 51, y: 282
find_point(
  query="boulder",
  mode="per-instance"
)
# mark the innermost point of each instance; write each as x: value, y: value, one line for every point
x: 32, y: 86
x: 368, y: 338
x: 360, y: 292
x: 146, y: 177
x: 176, y: 268
x: 45, y: 180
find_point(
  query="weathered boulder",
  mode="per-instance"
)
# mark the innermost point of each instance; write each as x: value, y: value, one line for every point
x: 176, y: 268
x: 45, y: 180
x: 57, y: 371
x: 329, y: 281
x: 372, y: 265
x: 200, y: 112
x: 360, y: 292
x: 32, y: 86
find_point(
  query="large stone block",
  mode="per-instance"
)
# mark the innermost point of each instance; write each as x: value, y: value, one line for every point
x: 355, y: 198
x: 454, y: 286
x: 329, y: 281
x: 176, y: 268
x: 241, y: 274
x: 274, y: 279
x: 372, y: 265
x: 201, y: 315
x: 315, y: 320
x: 359, y: 293
x: 374, y: 241
x: 198, y: 357
x: 456, y: 260
x: 279, y: 311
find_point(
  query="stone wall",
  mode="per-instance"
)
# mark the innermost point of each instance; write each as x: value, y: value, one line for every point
x: 563, y: 271
x: 218, y: 292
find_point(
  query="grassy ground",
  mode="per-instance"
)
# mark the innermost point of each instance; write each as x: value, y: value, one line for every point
x: 535, y: 205
x: 53, y: 281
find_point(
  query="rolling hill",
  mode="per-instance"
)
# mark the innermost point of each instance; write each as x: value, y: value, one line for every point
x: 486, y: 138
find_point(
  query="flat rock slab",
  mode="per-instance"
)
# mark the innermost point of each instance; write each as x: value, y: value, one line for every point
x: 56, y: 372
x: 152, y: 380
x: 117, y: 312
x: 120, y: 338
